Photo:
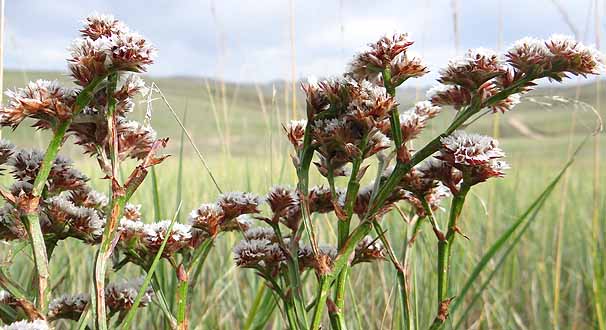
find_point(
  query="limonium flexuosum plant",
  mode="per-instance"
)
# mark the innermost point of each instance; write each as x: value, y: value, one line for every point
x: 352, y: 122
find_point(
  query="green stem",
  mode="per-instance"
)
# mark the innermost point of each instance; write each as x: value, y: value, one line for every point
x: 291, y: 315
x: 337, y: 317
x: 444, y: 256
x: 323, y: 290
x: 116, y: 206
x: 400, y: 274
x: 182, y: 298
x: 261, y: 310
x: 195, y: 268
x: 394, y: 118
x: 31, y: 213
x: 353, y: 187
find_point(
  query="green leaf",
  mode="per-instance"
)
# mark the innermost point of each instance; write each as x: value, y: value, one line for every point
x: 506, y: 236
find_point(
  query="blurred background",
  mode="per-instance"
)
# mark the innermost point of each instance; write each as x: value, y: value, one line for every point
x: 231, y: 70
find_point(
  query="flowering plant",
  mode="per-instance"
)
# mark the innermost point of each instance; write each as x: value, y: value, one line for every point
x: 353, y: 122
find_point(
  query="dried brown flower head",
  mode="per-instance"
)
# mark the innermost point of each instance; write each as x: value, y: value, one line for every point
x: 262, y: 254
x: 145, y: 239
x: 295, y: 131
x: 235, y: 204
x: 7, y: 150
x: 207, y: 217
x: 107, y: 44
x: 475, y: 155
x: 454, y: 96
x: 387, y: 53
x: 555, y: 57
x: 472, y: 70
x: 11, y: 227
x: 98, y: 25
x: 46, y: 101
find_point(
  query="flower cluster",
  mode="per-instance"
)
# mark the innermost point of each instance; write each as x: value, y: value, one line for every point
x: 413, y: 121
x: 261, y: 249
x: 476, y: 156
x: 120, y: 297
x: 224, y: 215
x: 71, y: 208
x: 141, y: 241
x: 348, y: 114
x: 107, y: 44
x: 389, y: 54
x: 45, y: 101
x: 368, y: 250
x: 484, y: 74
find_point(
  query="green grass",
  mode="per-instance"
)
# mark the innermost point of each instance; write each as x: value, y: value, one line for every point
x: 520, y: 296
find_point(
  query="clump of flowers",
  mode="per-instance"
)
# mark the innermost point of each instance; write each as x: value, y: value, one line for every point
x: 353, y: 121
x: 120, y: 298
x: 354, y: 118
x: 50, y: 199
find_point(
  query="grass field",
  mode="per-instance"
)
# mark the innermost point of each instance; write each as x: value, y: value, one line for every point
x: 550, y: 272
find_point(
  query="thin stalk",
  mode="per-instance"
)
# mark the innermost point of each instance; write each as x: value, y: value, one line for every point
x: 116, y: 206
x: 407, y: 321
x: 259, y: 313
x: 182, y: 294
x: 31, y: 212
x: 343, y: 232
x: 323, y: 290
x: 305, y: 157
x: 444, y: 256
x: 291, y: 315
x: 193, y: 273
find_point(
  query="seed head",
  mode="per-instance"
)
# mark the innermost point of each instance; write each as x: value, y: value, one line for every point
x: 455, y: 96
x: 260, y: 233
x: 555, y: 57
x: 320, y: 199
x: 99, y: 25
x: 146, y: 239
x: 284, y: 203
x: 107, y: 43
x: 322, y: 263
x: 7, y: 149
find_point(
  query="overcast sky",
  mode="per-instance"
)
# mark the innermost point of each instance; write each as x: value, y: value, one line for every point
x: 250, y: 40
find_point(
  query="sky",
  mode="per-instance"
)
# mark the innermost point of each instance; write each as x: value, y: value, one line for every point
x: 250, y: 41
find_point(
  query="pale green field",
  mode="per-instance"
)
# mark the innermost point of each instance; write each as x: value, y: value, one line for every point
x: 241, y: 138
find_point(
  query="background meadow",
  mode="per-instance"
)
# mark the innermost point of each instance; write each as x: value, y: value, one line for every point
x: 548, y: 278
